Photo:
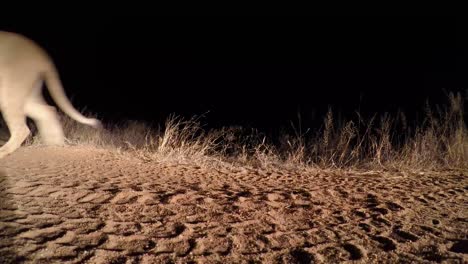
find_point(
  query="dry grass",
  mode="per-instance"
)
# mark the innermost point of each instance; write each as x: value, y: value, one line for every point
x: 440, y: 142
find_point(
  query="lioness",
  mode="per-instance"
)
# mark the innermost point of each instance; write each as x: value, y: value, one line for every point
x: 24, y: 66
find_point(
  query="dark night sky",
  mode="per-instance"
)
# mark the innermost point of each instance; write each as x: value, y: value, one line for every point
x: 257, y: 71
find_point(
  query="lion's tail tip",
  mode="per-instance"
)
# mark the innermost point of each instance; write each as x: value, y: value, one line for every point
x: 95, y: 123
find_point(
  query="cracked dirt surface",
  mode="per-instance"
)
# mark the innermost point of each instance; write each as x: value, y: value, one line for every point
x: 82, y: 205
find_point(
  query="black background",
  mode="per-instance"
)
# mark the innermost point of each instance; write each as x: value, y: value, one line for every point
x: 253, y: 71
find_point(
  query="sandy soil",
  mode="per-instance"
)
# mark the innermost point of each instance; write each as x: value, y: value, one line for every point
x: 81, y: 205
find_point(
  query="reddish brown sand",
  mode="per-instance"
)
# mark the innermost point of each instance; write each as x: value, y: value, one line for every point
x: 82, y: 205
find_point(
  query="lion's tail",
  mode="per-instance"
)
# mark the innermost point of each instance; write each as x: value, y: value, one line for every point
x: 56, y: 90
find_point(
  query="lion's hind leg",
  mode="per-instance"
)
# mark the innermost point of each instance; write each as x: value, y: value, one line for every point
x: 46, y: 119
x: 15, y: 120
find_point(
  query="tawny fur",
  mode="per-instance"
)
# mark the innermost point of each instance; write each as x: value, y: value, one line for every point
x: 24, y: 67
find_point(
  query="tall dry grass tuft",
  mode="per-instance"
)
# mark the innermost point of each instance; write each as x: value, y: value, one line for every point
x: 442, y: 140
x: 183, y: 141
x: 439, y: 142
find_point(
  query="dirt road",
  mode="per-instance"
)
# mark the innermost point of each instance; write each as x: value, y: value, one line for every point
x: 82, y: 205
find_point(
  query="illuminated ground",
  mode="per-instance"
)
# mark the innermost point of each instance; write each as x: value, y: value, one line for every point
x: 74, y: 205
